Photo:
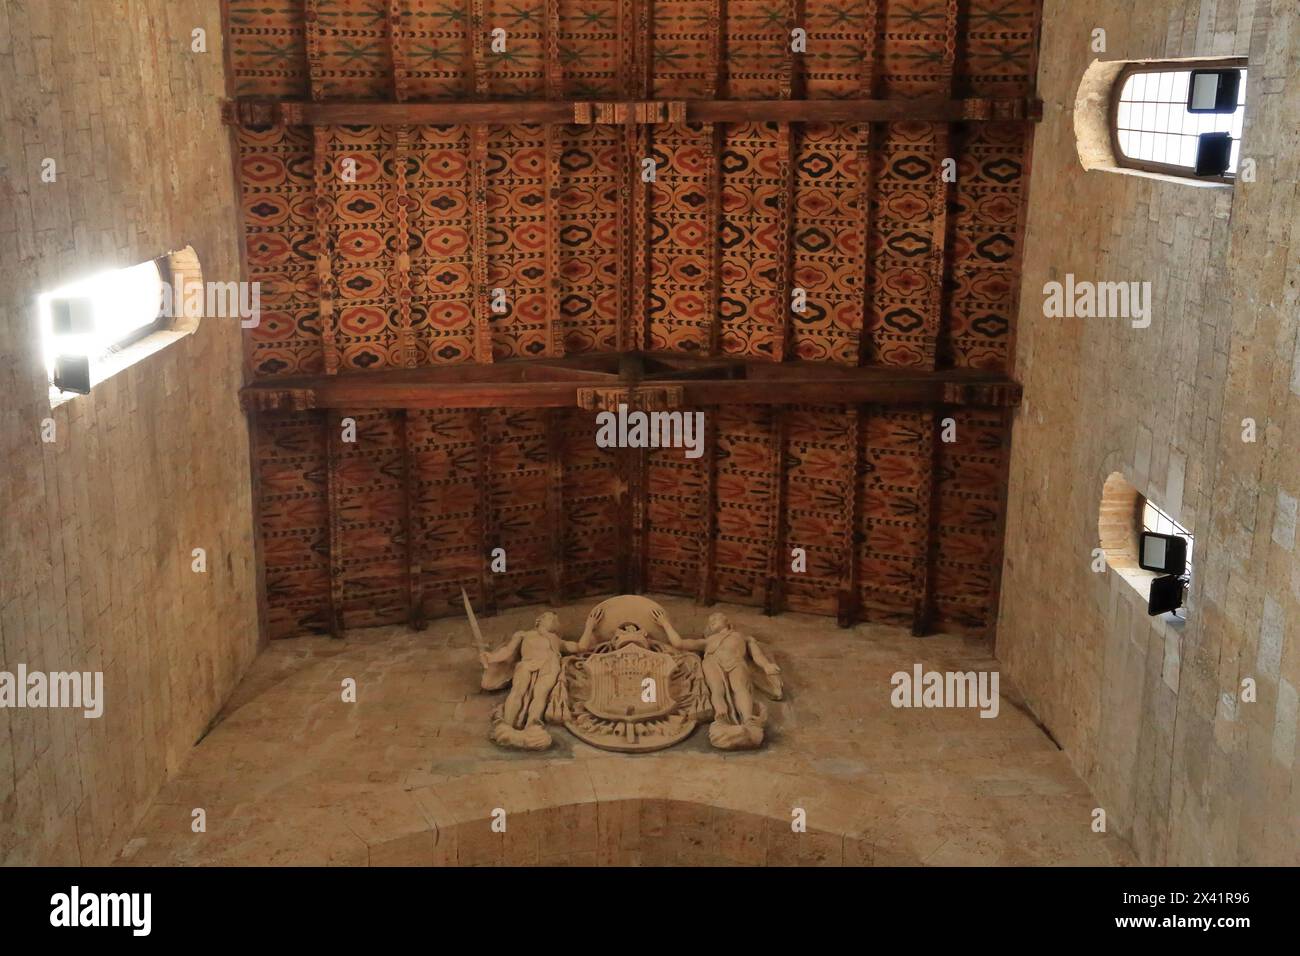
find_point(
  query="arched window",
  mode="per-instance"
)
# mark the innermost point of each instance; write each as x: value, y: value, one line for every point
x: 98, y: 325
x: 1124, y: 515
x: 1181, y: 119
x: 1175, y: 120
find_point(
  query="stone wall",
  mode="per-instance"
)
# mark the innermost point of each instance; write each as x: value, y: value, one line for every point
x: 98, y: 527
x: 1150, y: 714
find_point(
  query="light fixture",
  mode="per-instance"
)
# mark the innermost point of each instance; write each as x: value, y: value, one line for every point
x: 1166, y: 595
x: 72, y: 374
x: 1213, y: 154
x: 85, y: 320
x: 1213, y: 91
x: 1163, y: 553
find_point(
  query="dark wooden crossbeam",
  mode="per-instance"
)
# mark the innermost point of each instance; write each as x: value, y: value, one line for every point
x: 557, y: 383
x: 260, y: 111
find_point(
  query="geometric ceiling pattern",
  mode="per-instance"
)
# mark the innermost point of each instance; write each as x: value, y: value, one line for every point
x: 476, y: 223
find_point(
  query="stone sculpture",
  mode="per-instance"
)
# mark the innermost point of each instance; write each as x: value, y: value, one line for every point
x: 533, y: 661
x: 730, y: 659
x: 630, y: 683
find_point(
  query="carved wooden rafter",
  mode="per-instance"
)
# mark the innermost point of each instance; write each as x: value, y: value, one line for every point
x: 402, y: 261
x: 638, y: 397
x: 476, y: 37
x: 633, y: 113
x: 786, y: 151
x: 277, y: 400
x: 923, y: 609
x: 410, y: 523
x: 333, y: 425
x: 687, y: 383
x: 260, y: 111
x: 555, y: 502
x: 551, y: 206
x: 486, y: 514
x: 325, y: 279
x: 478, y: 209
x: 868, y: 133
x: 774, y: 601
x: 717, y: 144
x: 847, y: 601
x: 397, y: 51
x: 708, y: 514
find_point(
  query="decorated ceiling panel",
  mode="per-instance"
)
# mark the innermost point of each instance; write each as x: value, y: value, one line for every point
x: 477, y: 223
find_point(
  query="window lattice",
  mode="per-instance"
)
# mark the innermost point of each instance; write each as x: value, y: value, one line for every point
x: 1153, y: 123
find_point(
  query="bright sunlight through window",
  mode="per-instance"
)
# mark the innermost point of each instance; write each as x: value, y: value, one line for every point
x: 1154, y: 124
x: 95, y: 316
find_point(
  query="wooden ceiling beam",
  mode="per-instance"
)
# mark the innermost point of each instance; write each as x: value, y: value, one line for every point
x: 260, y: 111
x: 995, y: 588
x: 923, y: 609
x: 397, y: 51
x: 478, y: 241
x: 707, y: 536
x: 868, y: 136
x: 717, y: 144
x: 326, y: 282
x: 792, y: 76
x: 639, y: 539
x: 555, y: 501
x: 718, y: 71
x: 333, y: 424
x: 848, y: 601
x: 774, y: 599
x: 787, y: 150
x: 551, y: 51
x: 943, y: 197
x: 551, y: 206
x: 644, y: 42
x: 312, y: 43
x: 402, y: 262
x: 525, y: 385
x: 401, y: 274
x: 638, y: 249
x: 411, y: 523
x: 475, y: 35
x: 946, y: 147
x: 487, y: 527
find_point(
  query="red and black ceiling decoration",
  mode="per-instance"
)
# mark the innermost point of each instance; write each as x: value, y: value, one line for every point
x: 476, y: 223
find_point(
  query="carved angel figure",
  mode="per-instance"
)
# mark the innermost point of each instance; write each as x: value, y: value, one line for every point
x: 734, y: 663
x: 535, y: 658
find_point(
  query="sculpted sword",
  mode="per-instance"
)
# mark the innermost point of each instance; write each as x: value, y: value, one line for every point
x: 473, y: 623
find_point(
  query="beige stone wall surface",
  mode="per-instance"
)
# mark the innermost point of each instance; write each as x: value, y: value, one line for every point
x: 1151, y: 715
x: 97, y: 528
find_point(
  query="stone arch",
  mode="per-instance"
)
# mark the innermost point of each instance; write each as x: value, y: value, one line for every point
x: 1118, y: 519
x: 186, y: 271
x: 1117, y: 522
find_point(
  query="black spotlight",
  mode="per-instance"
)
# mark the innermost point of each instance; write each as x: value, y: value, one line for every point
x: 1213, y: 91
x: 72, y: 374
x: 1166, y: 595
x: 1213, y: 154
x: 1163, y: 553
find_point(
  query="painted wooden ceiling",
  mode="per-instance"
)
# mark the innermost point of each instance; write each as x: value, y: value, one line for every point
x: 458, y: 250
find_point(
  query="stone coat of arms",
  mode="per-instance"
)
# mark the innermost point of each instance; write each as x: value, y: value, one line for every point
x: 630, y: 683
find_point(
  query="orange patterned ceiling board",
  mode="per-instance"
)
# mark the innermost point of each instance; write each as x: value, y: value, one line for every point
x: 477, y: 223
